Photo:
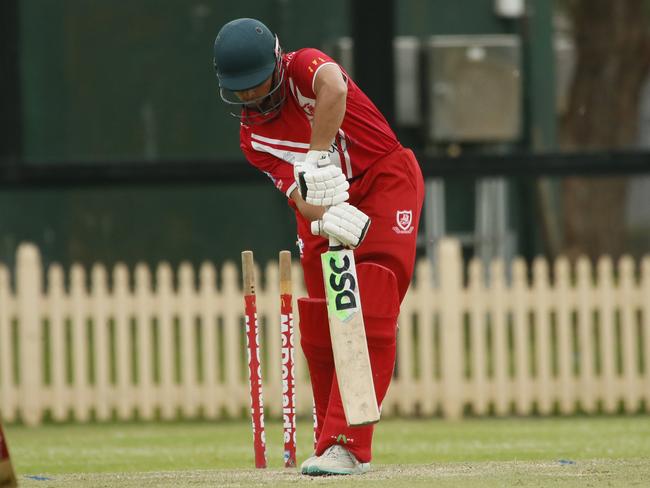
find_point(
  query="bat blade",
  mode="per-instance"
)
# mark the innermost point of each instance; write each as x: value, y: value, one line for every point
x: 349, y: 344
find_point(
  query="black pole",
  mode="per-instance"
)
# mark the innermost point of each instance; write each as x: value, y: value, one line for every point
x: 373, y: 30
x: 10, y: 96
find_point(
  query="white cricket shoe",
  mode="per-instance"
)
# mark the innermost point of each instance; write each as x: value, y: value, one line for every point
x: 306, y: 464
x: 336, y: 460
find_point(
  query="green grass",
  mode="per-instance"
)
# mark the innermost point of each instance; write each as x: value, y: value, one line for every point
x: 603, y: 451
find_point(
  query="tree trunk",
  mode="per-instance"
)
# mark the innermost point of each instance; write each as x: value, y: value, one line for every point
x: 613, y: 56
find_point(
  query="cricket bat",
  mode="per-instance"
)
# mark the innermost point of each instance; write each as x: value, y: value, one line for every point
x: 348, y: 334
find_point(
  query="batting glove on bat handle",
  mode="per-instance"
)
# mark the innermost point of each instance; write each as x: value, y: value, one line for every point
x: 344, y: 223
x: 317, y: 230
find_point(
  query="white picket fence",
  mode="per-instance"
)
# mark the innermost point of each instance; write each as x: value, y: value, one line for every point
x: 150, y: 349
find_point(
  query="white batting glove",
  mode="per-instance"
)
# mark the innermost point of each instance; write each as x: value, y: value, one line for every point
x: 310, y: 163
x: 317, y: 229
x: 320, y: 182
x: 346, y: 223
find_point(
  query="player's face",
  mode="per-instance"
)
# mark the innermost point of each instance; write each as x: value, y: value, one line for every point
x: 260, y: 103
x: 256, y: 94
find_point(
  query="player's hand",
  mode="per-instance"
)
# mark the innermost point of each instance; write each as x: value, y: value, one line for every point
x: 321, y: 183
x: 309, y: 164
x: 346, y: 223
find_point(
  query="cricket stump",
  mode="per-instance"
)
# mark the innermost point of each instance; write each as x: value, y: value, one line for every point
x: 7, y: 476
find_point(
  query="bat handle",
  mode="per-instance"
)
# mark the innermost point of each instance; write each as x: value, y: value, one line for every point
x: 334, y: 242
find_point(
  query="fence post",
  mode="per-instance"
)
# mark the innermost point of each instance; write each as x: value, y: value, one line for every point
x: 8, y: 388
x: 629, y: 343
x: 450, y: 283
x: 645, y: 325
x: 28, y: 281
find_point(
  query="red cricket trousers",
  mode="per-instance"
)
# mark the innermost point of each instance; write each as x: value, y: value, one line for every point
x: 391, y: 192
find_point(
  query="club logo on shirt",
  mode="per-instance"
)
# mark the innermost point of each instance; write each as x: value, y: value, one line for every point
x: 404, y: 220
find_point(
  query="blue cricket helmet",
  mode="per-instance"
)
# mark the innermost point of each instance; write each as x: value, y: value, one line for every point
x: 244, y: 54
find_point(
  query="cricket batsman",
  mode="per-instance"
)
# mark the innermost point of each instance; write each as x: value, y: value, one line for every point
x: 324, y: 144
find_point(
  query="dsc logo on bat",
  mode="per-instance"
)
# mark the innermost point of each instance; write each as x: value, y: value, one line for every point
x: 342, y: 283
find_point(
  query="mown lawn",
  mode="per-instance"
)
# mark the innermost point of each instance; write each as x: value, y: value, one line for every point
x: 573, y: 451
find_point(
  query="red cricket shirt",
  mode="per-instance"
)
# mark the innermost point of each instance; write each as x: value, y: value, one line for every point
x: 273, y: 147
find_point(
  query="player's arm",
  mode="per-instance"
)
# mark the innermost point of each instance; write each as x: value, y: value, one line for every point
x: 331, y: 91
x: 342, y: 221
x: 310, y: 212
x: 326, y: 185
